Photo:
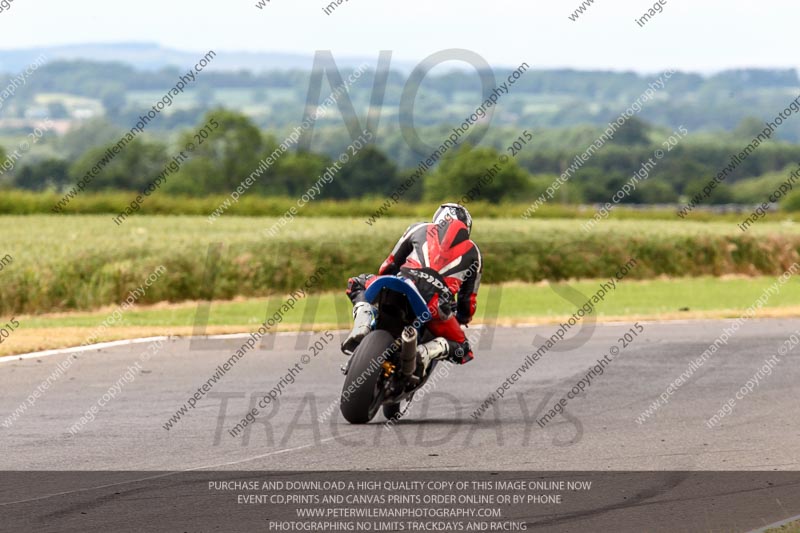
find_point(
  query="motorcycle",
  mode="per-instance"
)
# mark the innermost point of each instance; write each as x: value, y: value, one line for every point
x: 385, y: 369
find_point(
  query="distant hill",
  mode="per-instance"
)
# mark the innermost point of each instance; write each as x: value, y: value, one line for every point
x: 151, y: 56
x: 119, y: 81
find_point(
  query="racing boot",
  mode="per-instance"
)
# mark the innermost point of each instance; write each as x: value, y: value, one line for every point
x: 363, y: 315
x: 438, y: 348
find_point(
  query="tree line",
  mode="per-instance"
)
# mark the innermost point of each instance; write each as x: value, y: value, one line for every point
x: 236, y: 148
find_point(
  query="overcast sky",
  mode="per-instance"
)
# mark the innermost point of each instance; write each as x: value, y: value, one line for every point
x: 705, y: 35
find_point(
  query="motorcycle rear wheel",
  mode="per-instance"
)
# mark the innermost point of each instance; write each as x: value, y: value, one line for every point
x: 396, y: 411
x: 365, y: 399
x: 392, y: 411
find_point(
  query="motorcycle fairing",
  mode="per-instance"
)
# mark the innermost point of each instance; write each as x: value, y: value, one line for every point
x: 403, y: 286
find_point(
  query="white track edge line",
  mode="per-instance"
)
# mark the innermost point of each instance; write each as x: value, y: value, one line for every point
x: 127, y: 342
x: 776, y: 524
x: 79, y: 349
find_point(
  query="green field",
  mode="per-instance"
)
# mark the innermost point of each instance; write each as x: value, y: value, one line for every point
x: 514, y: 302
x: 660, y: 299
x: 792, y: 527
x: 20, y: 202
x: 83, y: 262
x: 63, y: 276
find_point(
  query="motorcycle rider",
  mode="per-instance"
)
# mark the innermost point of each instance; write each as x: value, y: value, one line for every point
x: 446, y: 266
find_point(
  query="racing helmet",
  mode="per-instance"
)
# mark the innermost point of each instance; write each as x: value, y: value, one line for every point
x: 452, y: 211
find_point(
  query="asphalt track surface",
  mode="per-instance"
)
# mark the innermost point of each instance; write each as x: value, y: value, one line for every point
x: 598, y: 432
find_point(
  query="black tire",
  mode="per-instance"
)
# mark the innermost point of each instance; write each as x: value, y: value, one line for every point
x: 365, y: 399
x: 392, y: 410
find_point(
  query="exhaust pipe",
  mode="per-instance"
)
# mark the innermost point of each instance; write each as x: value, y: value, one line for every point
x: 408, y: 352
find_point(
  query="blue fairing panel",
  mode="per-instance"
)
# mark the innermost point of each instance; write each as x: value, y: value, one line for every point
x: 401, y: 285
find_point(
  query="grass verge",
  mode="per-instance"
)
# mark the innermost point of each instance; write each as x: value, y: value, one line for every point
x: 77, y: 263
x: 792, y: 527
x: 516, y: 303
